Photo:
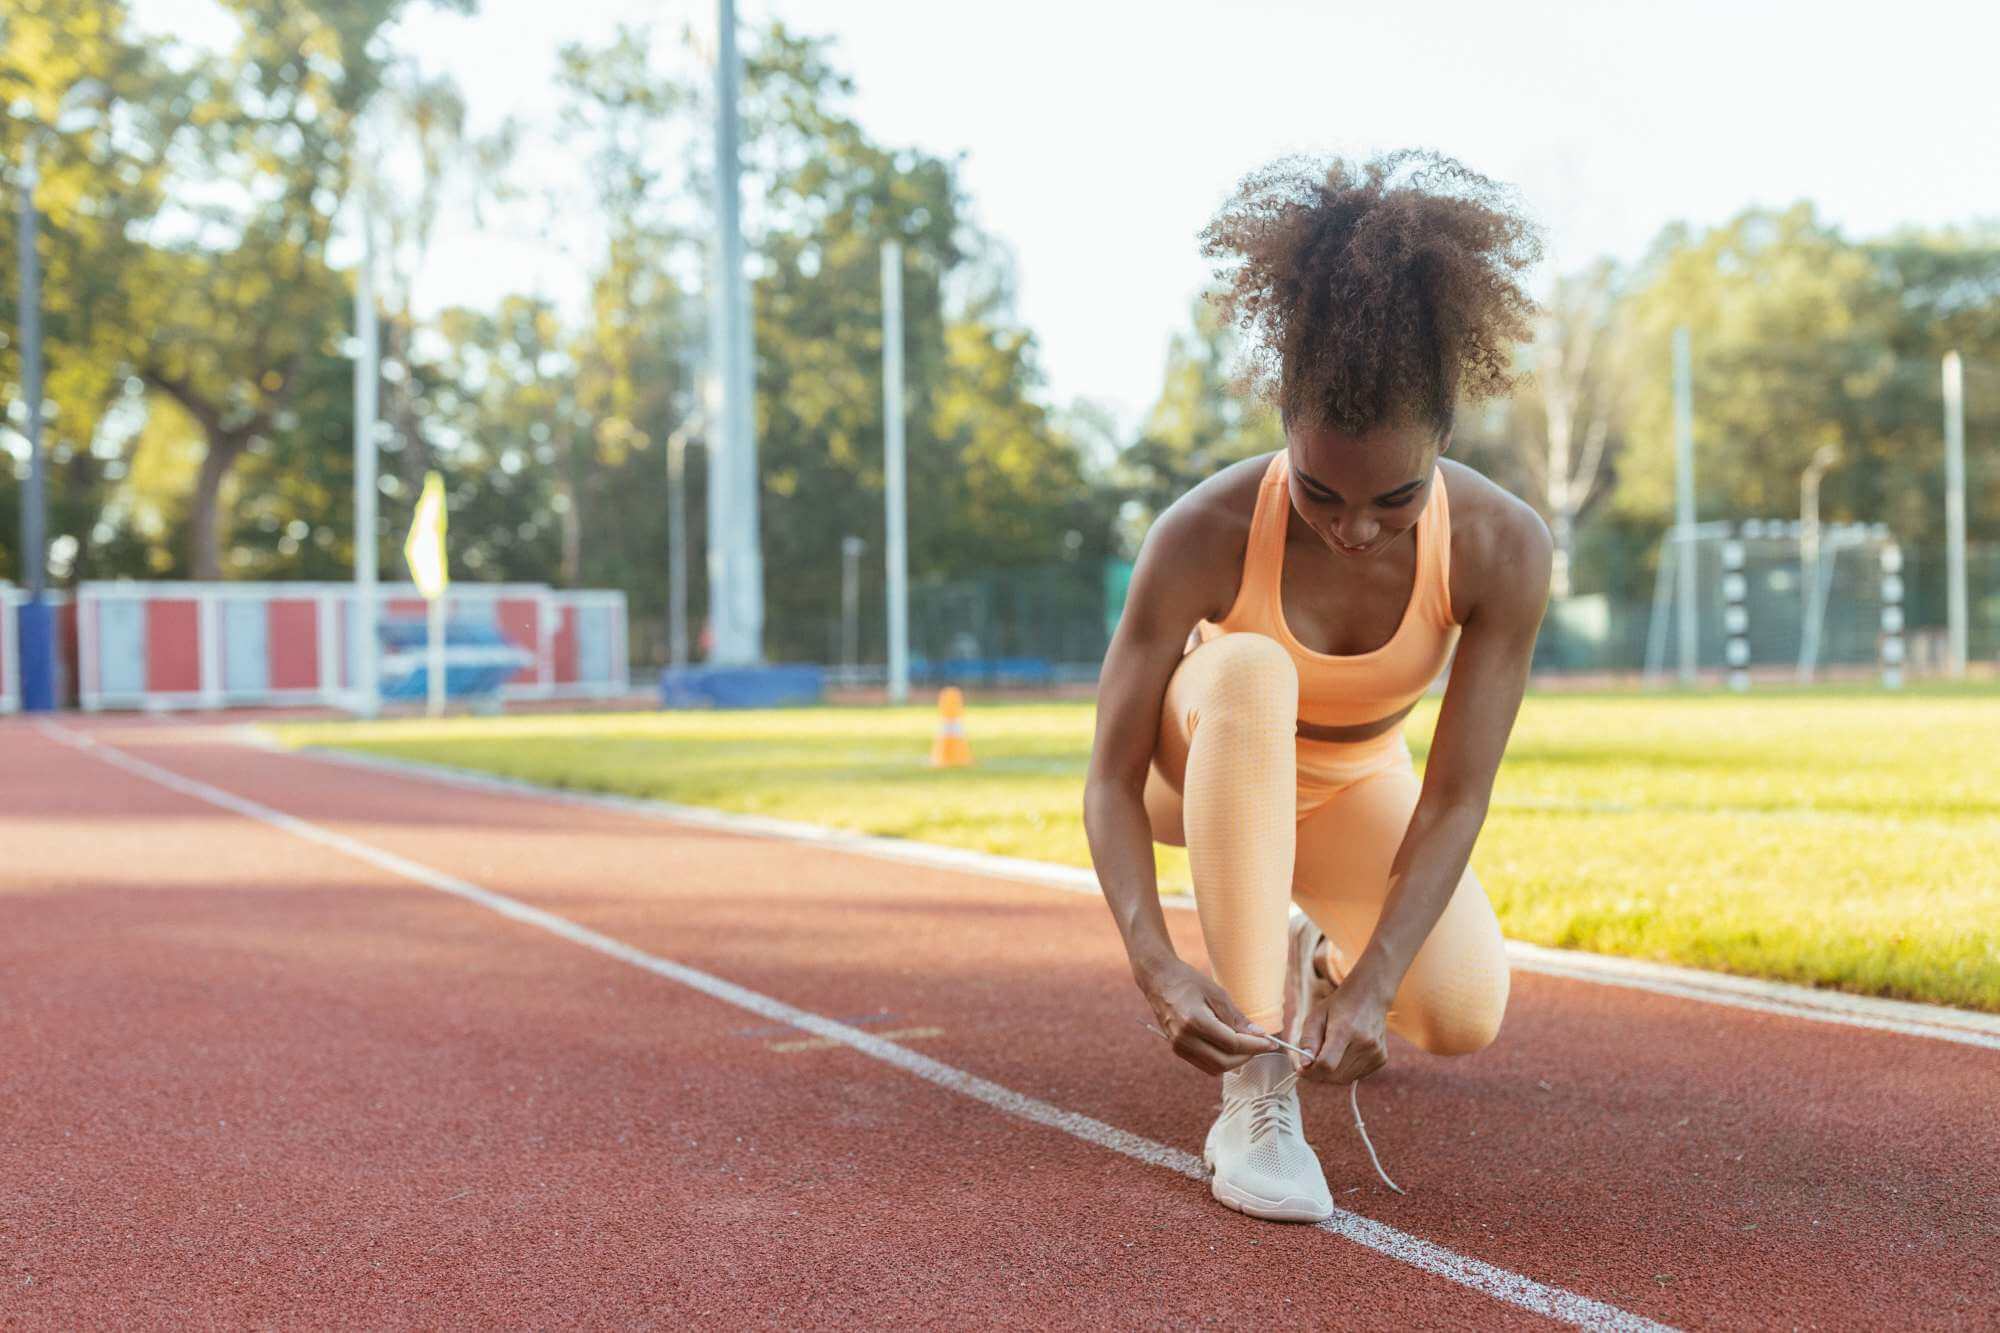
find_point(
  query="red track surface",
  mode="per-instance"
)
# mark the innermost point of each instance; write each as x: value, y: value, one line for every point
x: 248, y: 1079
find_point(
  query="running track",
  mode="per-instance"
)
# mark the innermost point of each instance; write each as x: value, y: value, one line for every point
x: 284, y: 1041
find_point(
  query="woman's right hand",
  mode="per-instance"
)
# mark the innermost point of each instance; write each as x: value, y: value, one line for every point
x: 1205, y: 1026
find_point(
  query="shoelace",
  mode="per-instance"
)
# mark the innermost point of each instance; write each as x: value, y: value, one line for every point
x: 1354, y: 1101
x: 1285, y: 1085
x: 1275, y: 1111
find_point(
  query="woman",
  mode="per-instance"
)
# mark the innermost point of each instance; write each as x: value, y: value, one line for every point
x: 1284, y: 617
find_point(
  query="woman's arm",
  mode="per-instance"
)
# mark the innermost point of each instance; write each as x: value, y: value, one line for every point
x: 1174, y: 585
x: 1489, y: 674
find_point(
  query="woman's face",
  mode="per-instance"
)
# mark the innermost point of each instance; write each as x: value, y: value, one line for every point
x: 1360, y: 493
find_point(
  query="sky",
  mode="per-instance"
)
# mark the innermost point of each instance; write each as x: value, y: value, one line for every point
x: 1098, y: 138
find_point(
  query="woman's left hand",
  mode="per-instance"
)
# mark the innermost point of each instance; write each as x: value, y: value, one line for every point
x: 1348, y: 1035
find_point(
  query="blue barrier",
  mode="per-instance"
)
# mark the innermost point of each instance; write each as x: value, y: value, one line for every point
x: 1028, y: 672
x: 773, y: 686
x: 478, y: 659
x: 36, y: 621
x: 741, y: 686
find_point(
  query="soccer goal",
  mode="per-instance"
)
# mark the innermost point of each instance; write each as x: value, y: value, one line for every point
x: 1774, y: 593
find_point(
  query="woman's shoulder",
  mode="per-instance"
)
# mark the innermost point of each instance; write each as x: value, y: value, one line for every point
x: 1222, y: 506
x: 1216, y: 512
x: 1499, y: 543
x: 1200, y: 539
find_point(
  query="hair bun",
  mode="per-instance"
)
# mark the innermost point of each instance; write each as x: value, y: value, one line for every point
x: 1374, y: 294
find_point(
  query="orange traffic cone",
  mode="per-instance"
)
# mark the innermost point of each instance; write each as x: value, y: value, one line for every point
x: 951, y: 749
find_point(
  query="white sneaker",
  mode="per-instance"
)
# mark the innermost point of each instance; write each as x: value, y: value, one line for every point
x: 1305, y: 988
x: 1257, y: 1152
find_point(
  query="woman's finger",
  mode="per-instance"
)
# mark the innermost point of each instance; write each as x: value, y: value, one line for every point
x: 1215, y: 1049
x: 1204, y: 1055
x: 1360, y: 1059
x: 1312, y: 1035
x: 1247, y: 1039
x: 1224, y: 1008
x: 1226, y: 1040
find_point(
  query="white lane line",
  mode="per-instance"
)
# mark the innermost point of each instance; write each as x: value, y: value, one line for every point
x: 1935, y: 1022
x: 1499, y: 1283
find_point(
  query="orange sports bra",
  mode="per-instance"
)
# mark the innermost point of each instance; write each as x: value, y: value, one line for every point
x: 1347, y: 691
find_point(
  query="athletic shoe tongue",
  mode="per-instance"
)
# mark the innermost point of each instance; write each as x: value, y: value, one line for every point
x: 1264, y: 1072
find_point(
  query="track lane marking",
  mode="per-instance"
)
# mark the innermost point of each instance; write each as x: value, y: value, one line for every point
x: 1784, y: 999
x: 1489, y: 1279
x: 827, y: 1044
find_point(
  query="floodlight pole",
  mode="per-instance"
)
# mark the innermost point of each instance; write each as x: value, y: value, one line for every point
x: 35, y: 622
x: 366, y: 381
x: 735, y: 561
x: 1684, y: 498
x: 895, y: 484
x: 34, y: 542
x: 1954, y: 509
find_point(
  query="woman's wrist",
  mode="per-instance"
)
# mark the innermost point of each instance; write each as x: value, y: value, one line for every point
x: 1150, y: 959
x: 1373, y: 978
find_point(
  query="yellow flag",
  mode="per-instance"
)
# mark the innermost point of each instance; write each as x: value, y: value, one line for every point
x: 424, y: 548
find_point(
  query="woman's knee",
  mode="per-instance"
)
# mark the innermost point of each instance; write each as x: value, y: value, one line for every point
x: 1463, y: 1023
x: 1247, y: 676
x: 1459, y: 1034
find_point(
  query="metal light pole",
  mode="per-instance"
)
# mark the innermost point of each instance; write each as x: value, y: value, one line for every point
x: 367, y: 379
x: 1809, y: 557
x: 36, y: 623
x: 894, y: 481
x: 34, y: 542
x: 1954, y: 509
x: 735, y: 561
x: 1684, y: 498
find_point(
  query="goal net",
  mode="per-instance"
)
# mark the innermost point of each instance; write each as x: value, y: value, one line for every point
x: 1773, y: 597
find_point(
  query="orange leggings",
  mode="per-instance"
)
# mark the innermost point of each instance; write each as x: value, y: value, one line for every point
x: 1269, y: 818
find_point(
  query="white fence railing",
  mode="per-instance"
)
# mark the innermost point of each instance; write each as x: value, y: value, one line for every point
x: 10, y: 648
x: 220, y: 645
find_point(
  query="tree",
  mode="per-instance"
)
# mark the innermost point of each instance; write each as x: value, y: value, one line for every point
x: 98, y: 187
x: 1572, y: 392
x: 241, y: 303
x: 506, y: 405
x: 1803, y: 339
x: 635, y: 352
x: 1201, y: 422
x: 994, y: 483
x: 443, y: 165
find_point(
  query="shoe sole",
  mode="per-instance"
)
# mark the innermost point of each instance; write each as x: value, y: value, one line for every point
x: 1291, y: 1208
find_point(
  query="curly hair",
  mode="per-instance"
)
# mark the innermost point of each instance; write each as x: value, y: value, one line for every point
x: 1374, y: 294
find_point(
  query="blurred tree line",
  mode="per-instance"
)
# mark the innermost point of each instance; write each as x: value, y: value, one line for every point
x: 199, y: 338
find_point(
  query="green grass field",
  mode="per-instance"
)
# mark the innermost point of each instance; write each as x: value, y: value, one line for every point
x: 1837, y: 838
